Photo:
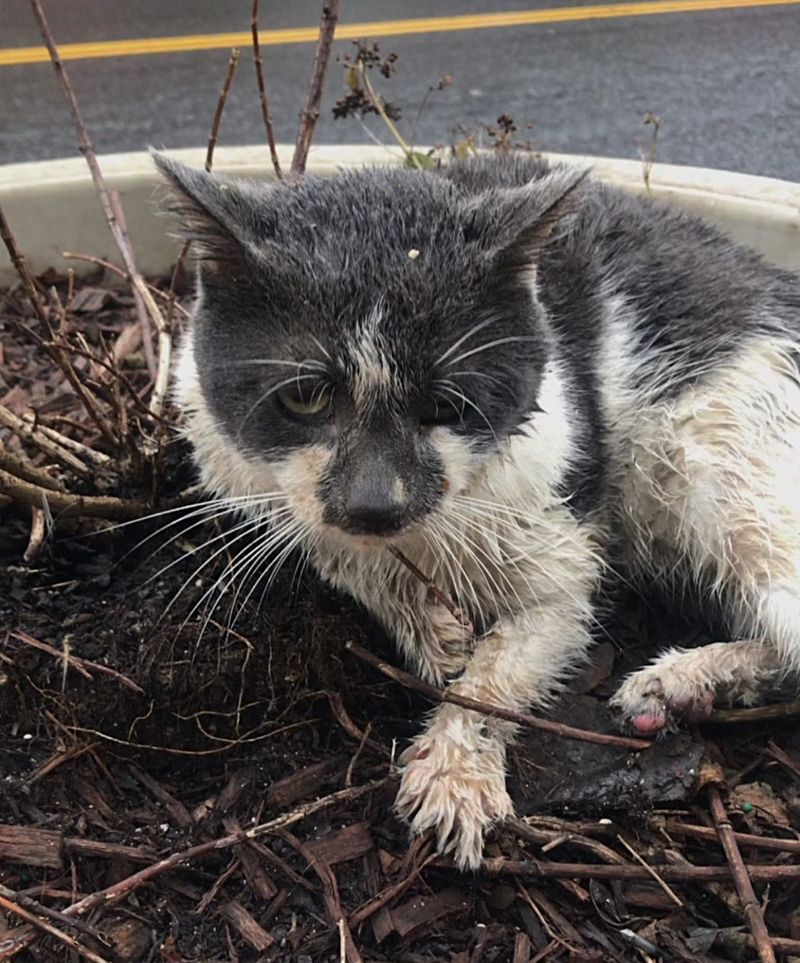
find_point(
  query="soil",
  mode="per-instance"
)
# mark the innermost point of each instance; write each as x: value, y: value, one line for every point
x: 144, y: 712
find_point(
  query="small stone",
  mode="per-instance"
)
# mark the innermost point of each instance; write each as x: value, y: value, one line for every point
x: 413, y: 254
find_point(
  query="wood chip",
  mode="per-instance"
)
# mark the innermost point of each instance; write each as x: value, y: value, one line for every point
x: 34, y: 847
x: 176, y: 809
x: 289, y: 790
x: 421, y: 911
x: 344, y: 845
x: 244, y: 924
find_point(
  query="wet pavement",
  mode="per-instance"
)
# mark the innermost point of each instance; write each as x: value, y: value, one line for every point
x: 725, y: 83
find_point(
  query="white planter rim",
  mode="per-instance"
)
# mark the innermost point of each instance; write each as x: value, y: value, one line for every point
x: 51, y: 205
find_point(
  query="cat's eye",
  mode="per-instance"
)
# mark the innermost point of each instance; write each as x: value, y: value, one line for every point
x: 439, y: 411
x: 314, y: 403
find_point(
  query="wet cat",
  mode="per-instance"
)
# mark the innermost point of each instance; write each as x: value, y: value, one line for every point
x: 508, y: 371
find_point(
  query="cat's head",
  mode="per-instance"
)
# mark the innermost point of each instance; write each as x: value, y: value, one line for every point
x: 361, y: 343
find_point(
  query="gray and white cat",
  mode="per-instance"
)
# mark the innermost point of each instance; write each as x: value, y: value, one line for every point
x: 505, y: 370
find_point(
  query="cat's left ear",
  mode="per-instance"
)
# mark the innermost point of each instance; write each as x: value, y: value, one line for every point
x: 514, y: 224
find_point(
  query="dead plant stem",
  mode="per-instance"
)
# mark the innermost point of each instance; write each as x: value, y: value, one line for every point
x: 266, y: 114
x: 521, y: 718
x: 110, y: 208
x: 310, y: 113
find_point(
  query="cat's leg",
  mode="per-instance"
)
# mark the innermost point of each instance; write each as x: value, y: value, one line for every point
x: 454, y: 775
x: 722, y: 494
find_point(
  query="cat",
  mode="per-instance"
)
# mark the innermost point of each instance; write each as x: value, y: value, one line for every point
x: 524, y: 379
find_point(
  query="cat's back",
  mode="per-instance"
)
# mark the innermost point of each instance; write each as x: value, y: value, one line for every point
x: 622, y: 267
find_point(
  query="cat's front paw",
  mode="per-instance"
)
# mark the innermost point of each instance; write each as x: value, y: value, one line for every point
x: 457, y: 790
x: 682, y: 685
x: 652, y: 700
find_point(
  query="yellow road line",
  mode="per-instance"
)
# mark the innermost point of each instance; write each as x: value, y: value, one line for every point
x: 378, y: 28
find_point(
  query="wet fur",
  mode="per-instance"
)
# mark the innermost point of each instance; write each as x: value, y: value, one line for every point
x: 649, y: 421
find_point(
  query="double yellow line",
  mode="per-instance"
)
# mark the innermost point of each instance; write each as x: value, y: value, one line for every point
x: 377, y: 28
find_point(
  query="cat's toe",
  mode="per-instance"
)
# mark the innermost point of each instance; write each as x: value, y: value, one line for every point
x: 456, y: 792
x: 656, y: 698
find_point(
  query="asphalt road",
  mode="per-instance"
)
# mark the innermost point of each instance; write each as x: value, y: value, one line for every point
x: 724, y: 82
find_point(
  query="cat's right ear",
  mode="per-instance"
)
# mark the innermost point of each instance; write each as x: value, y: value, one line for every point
x: 215, y: 213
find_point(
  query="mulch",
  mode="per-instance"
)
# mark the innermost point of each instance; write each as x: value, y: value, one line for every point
x: 192, y: 770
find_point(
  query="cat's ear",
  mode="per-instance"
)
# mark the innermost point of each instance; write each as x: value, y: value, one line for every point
x: 217, y: 214
x: 514, y: 224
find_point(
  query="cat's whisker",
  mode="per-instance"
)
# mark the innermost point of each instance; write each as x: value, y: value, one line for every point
x: 490, y: 344
x: 228, y: 574
x: 253, y: 560
x: 531, y: 560
x: 465, y: 337
x: 321, y: 347
x: 278, y: 362
x: 255, y: 522
x: 454, y: 390
x: 538, y: 522
x: 468, y: 373
x: 271, y: 571
x: 245, y: 530
x: 500, y: 582
x: 206, y: 515
x: 191, y: 505
x: 472, y: 549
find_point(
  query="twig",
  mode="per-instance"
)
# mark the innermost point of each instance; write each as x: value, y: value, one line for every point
x: 18, y: 260
x: 521, y: 718
x: 13, y: 906
x: 60, y: 352
x: 258, y: 63
x: 744, y: 886
x: 37, y: 536
x: 81, y: 665
x: 25, y: 901
x: 310, y: 113
x: 340, y: 714
x: 21, y: 468
x: 118, y: 891
x: 120, y: 272
x: 536, y: 869
x: 65, y: 503
x: 30, y: 433
x: 97, y: 458
x: 649, y: 156
x: 387, y: 895
x: 110, y: 206
x: 653, y: 872
x: 743, y: 839
x: 57, y: 760
x: 783, y: 710
x: 223, y: 97
x: 330, y: 895
x: 433, y: 588
x: 543, y: 837
x: 783, y: 757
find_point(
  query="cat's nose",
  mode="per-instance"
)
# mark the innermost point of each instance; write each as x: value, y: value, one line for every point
x: 377, y: 511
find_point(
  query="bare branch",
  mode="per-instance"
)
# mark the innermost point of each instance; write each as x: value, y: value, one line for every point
x: 223, y: 97
x: 744, y: 885
x: 63, y: 503
x: 521, y: 718
x: 310, y: 113
x: 18, y: 260
x: 262, y: 92
x: 110, y: 205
